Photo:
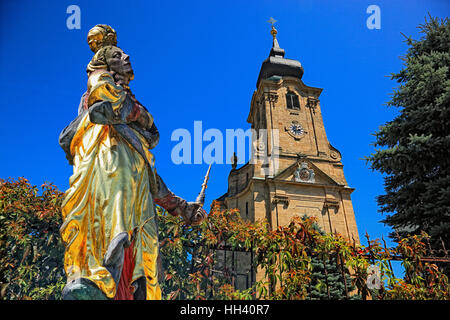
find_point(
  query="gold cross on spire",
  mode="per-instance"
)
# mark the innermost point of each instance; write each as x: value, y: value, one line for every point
x: 274, y: 31
x: 271, y: 21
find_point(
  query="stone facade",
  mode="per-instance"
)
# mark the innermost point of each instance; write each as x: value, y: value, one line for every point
x: 309, y: 179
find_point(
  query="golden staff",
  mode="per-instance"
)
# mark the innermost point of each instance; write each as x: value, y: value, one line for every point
x: 201, y: 196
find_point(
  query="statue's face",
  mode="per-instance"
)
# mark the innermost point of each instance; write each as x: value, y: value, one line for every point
x: 119, y: 62
x: 95, y: 37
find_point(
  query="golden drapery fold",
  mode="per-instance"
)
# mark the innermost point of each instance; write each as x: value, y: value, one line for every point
x: 109, y: 194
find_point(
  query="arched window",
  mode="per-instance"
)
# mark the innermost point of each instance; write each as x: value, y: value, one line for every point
x: 292, y: 101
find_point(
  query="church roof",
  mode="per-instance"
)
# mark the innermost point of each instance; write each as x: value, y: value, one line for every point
x: 277, y: 65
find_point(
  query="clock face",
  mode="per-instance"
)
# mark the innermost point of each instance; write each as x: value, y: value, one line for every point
x: 296, y: 129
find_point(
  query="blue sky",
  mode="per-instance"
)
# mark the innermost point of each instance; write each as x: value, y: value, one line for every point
x: 199, y: 60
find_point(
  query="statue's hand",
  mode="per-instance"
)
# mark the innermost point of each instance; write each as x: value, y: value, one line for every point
x: 194, y: 213
x: 102, y: 112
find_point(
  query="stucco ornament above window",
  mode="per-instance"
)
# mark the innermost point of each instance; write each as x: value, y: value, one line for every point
x: 304, y: 174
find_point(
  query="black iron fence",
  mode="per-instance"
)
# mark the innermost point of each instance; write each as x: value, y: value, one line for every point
x: 238, y: 264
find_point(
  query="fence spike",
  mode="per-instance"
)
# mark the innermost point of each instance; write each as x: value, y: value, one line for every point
x: 384, y: 241
x: 443, y: 246
x: 367, y: 235
x: 397, y: 235
x: 432, y: 251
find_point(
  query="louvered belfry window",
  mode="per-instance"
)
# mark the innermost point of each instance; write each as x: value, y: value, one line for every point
x: 292, y: 101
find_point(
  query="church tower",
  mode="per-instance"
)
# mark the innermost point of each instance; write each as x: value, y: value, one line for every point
x: 304, y: 173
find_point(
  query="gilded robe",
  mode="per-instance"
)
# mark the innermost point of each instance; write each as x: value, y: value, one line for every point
x: 109, y: 204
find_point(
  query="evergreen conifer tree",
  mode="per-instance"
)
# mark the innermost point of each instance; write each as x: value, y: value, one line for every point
x: 327, y: 278
x: 326, y: 272
x: 415, y: 153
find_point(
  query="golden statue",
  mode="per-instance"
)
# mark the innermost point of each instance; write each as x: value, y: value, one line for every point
x: 100, y: 36
x: 109, y: 229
